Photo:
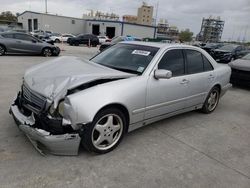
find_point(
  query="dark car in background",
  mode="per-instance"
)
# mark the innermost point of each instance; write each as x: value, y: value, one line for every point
x: 241, y: 71
x: 210, y: 47
x: 117, y: 40
x: 88, y: 39
x: 229, y: 52
x: 15, y: 42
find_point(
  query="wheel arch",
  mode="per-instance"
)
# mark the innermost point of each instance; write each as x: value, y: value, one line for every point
x: 45, y: 48
x: 118, y: 106
x: 3, y: 46
x: 218, y: 86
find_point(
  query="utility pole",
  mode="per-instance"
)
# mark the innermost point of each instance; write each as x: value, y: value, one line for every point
x: 46, y: 10
x: 156, y: 14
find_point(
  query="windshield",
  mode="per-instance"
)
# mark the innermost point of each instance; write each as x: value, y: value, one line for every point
x: 127, y: 57
x: 246, y: 57
x: 228, y: 47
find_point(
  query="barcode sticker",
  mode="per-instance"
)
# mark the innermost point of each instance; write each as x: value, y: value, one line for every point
x: 141, y: 52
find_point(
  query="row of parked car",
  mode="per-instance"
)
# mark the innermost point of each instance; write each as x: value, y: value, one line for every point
x: 237, y: 57
x: 225, y: 53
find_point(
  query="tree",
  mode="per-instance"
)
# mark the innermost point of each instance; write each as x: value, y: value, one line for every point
x: 8, y: 16
x: 185, y: 35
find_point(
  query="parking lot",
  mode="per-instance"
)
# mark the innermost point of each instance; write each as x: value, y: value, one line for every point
x: 189, y: 150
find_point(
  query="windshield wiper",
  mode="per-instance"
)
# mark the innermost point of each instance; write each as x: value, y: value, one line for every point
x: 122, y: 69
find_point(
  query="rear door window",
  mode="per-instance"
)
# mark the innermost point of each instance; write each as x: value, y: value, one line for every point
x: 194, y: 61
x: 207, y: 64
x: 8, y: 36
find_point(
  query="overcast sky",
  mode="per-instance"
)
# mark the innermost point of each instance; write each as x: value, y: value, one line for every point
x: 181, y: 13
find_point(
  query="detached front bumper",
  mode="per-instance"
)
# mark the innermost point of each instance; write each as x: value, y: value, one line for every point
x: 43, y: 141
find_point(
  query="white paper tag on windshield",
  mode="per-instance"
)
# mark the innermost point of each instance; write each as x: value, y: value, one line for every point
x: 140, y: 69
x: 141, y: 52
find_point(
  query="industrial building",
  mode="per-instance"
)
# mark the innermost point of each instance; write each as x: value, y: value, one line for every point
x: 164, y: 30
x: 211, y: 30
x: 145, y: 14
x: 62, y: 24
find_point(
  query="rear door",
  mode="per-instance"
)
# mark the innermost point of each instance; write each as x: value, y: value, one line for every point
x: 200, y: 76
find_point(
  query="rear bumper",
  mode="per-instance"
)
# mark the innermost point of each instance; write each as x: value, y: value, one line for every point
x: 225, y: 89
x: 43, y: 141
x: 240, y: 77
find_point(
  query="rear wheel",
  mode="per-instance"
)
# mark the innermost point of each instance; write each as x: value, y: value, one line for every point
x: 105, y: 132
x: 57, y: 41
x: 211, y: 101
x: 2, y: 50
x: 47, y: 52
x: 76, y: 43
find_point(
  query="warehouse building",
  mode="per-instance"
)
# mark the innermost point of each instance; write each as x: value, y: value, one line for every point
x: 62, y: 24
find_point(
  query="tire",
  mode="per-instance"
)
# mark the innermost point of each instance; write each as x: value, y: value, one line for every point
x: 105, y: 132
x: 212, y: 101
x: 2, y: 50
x: 47, y: 52
x: 57, y: 41
x: 76, y: 43
x: 94, y: 44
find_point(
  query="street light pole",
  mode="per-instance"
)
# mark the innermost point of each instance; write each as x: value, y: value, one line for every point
x: 46, y: 10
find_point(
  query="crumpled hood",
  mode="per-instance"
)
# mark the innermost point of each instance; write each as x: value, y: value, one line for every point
x: 240, y: 64
x: 53, y: 78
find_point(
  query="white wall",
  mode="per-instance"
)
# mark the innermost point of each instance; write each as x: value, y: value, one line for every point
x: 52, y: 23
x: 103, y: 26
x: 138, y: 31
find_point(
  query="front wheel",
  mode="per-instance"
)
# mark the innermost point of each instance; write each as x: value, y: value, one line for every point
x: 2, y: 50
x: 47, y: 52
x: 105, y: 132
x: 211, y: 101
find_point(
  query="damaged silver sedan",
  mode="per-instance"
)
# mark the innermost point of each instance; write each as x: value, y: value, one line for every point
x: 69, y: 101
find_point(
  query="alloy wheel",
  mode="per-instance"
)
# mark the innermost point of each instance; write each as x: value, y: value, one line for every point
x: 2, y: 50
x: 213, y: 100
x: 107, y: 131
x: 47, y: 52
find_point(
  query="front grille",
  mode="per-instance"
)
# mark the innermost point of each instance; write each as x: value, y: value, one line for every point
x: 219, y: 55
x: 32, y: 100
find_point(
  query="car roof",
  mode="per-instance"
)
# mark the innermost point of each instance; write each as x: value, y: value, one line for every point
x: 13, y: 32
x: 160, y: 45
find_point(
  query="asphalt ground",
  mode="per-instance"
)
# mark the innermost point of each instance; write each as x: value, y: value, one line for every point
x: 188, y: 150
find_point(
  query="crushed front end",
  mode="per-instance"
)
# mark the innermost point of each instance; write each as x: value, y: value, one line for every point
x: 46, y: 132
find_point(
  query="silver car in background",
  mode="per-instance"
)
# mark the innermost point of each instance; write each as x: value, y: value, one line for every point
x: 68, y: 101
x: 16, y: 42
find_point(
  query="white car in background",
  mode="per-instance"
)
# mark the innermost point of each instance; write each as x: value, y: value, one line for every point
x: 61, y: 38
x: 103, y: 39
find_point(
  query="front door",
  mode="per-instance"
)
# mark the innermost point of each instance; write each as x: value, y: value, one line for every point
x: 26, y: 43
x: 167, y: 95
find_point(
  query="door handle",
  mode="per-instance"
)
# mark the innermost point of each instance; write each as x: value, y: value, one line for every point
x: 211, y: 76
x: 184, y: 81
x: 18, y: 41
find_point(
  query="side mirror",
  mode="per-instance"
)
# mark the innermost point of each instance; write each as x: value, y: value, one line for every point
x: 162, y: 74
x: 34, y: 41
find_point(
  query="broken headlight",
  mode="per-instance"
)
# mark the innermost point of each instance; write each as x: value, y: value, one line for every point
x: 59, y: 110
